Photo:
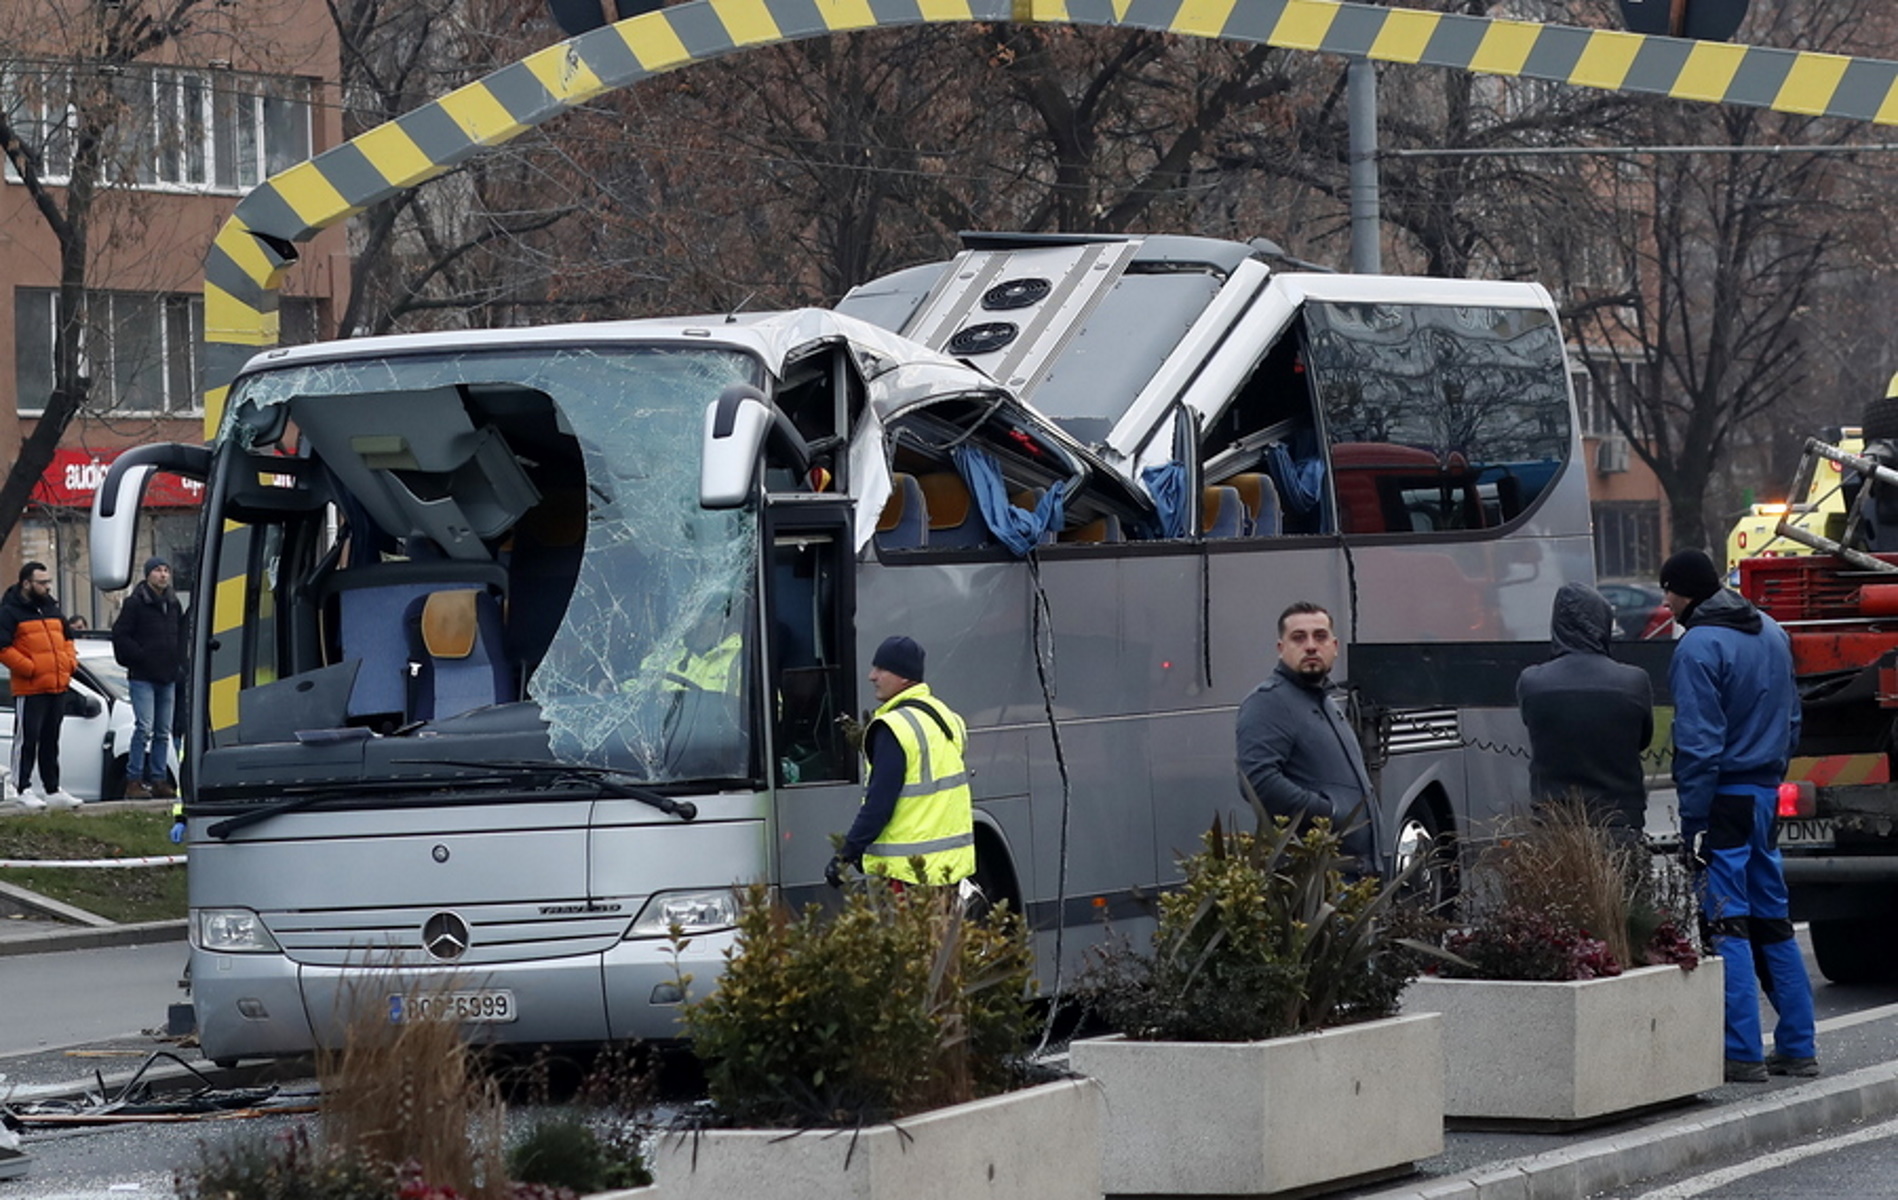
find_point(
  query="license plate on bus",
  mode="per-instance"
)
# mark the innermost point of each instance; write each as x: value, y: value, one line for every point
x: 488, y: 1006
x: 1806, y: 831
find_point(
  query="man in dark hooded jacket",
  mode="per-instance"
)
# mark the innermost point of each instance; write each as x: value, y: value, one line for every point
x: 1589, y: 717
x: 149, y: 639
x: 1736, y: 722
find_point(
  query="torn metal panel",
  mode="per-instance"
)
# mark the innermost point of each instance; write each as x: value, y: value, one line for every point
x: 138, y: 1101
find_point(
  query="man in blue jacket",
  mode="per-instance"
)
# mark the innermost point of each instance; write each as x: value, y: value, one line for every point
x: 1736, y: 722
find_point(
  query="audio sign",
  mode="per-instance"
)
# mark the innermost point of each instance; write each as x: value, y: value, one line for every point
x: 74, y: 475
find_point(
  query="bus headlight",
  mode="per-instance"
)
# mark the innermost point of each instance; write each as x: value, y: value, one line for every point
x: 231, y: 931
x: 692, y: 912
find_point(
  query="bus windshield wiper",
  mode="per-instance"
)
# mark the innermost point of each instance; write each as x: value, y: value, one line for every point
x: 609, y: 778
x: 225, y: 828
x: 601, y: 777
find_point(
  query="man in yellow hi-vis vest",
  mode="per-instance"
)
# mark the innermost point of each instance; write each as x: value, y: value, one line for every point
x: 916, y: 801
x: 701, y: 661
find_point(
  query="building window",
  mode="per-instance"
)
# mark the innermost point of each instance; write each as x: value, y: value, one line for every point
x: 1628, y: 539
x: 140, y: 349
x: 172, y: 129
x: 1599, y: 380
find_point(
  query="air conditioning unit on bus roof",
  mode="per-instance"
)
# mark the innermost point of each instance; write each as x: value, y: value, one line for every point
x: 1611, y: 456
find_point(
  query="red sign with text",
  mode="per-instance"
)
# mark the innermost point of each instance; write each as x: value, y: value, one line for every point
x: 75, y: 475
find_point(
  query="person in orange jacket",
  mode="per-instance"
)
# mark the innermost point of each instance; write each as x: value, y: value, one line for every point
x: 38, y: 651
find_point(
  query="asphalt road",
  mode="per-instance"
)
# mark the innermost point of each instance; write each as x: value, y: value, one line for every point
x: 1858, y: 1161
x: 79, y: 996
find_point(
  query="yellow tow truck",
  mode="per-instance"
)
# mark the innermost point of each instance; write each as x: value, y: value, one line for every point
x: 1822, y: 512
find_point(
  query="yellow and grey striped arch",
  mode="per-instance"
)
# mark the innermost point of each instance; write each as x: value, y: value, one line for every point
x: 251, y: 253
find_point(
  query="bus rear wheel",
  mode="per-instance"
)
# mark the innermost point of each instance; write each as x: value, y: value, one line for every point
x: 1423, y: 841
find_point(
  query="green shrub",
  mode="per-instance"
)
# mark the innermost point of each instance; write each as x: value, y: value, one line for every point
x: 1265, y: 938
x: 560, y: 1151
x: 894, y: 1005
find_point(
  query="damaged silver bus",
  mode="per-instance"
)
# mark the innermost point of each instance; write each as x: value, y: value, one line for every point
x: 528, y: 644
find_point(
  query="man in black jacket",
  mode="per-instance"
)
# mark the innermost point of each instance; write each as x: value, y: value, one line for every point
x: 1589, y: 717
x: 1296, y: 747
x: 149, y: 640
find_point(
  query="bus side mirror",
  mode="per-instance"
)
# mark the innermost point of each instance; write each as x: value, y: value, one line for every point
x: 115, y: 525
x: 737, y: 425
x: 115, y: 505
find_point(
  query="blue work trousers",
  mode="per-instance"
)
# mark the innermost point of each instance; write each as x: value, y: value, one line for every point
x: 1743, y: 900
x: 151, y: 735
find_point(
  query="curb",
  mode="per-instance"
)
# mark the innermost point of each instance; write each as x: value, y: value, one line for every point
x: 95, y: 938
x: 46, y: 906
x: 1588, y: 1168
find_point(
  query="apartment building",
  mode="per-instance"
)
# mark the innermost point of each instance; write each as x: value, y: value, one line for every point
x: 1626, y: 500
x: 246, y: 89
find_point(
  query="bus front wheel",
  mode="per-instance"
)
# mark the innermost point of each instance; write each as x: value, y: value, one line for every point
x: 994, y: 878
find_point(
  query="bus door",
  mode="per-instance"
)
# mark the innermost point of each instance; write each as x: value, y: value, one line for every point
x: 810, y: 597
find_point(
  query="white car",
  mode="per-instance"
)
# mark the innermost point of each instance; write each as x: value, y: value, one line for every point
x: 96, y: 736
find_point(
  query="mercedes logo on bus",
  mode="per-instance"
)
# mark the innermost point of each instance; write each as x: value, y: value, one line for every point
x: 445, y: 936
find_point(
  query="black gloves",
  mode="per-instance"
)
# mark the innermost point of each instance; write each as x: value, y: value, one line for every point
x: 834, y: 871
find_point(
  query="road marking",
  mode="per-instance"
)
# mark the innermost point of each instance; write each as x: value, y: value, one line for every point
x: 1847, y: 1020
x: 1702, y: 1184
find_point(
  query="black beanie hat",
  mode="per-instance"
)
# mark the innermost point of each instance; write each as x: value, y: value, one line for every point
x: 900, y: 656
x: 1690, y: 573
x: 154, y: 562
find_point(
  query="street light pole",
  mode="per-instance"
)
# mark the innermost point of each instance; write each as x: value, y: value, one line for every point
x: 1361, y: 111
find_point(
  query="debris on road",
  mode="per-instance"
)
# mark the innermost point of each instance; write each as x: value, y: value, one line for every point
x: 13, y: 1160
x: 136, y: 1102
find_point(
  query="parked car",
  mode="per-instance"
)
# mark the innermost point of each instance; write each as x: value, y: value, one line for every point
x: 1640, y: 611
x: 96, y: 736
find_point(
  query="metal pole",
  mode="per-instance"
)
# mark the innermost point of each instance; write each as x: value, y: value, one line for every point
x: 1361, y: 108
x: 1555, y: 151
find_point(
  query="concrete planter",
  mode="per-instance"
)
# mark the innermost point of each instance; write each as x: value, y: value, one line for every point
x: 1576, y: 1051
x: 1255, y: 1118
x: 1041, y: 1143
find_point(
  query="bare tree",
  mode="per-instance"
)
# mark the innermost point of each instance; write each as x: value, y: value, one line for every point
x: 443, y: 253
x: 1697, y: 277
x: 79, y: 53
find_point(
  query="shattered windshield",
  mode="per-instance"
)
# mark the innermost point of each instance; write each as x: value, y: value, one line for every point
x: 648, y: 668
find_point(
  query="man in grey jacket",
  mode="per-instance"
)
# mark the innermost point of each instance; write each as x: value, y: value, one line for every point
x: 1296, y: 747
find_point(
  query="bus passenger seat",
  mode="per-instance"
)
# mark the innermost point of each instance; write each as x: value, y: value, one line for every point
x: 455, y: 636
x: 373, y: 604
x: 1100, y: 530
x: 1028, y: 500
x: 1222, y: 513
x: 953, y: 517
x: 904, y: 523
x: 1261, y: 497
